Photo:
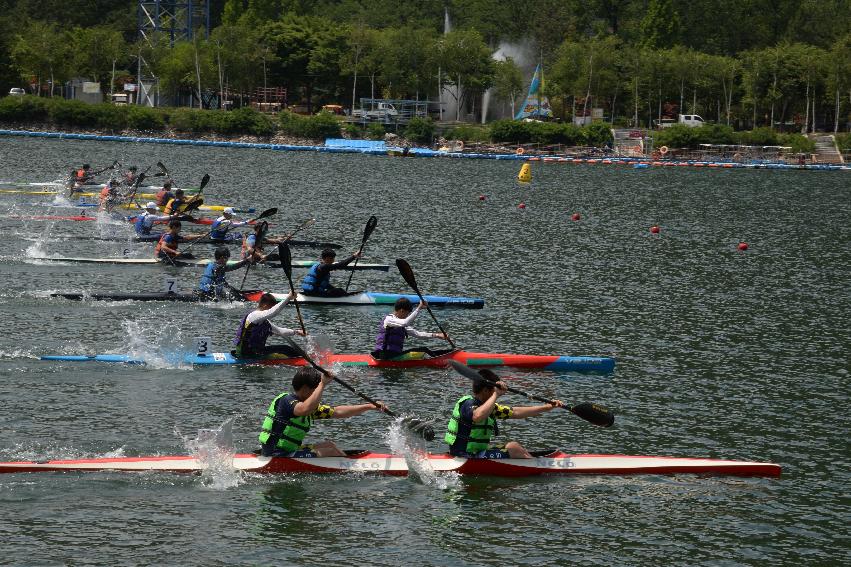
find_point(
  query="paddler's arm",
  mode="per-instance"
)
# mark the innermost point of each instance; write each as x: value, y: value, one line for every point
x: 350, y: 411
x: 482, y: 412
x: 411, y: 332
x: 343, y: 263
x: 283, y: 331
x: 393, y: 321
x: 311, y: 404
x: 529, y: 411
x: 259, y: 316
x: 238, y: 265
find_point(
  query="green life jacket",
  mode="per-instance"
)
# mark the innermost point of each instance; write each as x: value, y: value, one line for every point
x: 284, y: 434
x: 478, y: 435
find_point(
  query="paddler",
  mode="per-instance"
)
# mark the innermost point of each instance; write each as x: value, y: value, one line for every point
x: 144, y: 223
x: 166, y: 249
x: 213, y: 284
x: 473, y: 422
x: 290, y: 416
x: 176, y: 203
x: 108, y: 196
x: 221, y: 226
x: 252, y: 244
x: 318, y: 279
x: 395, y: 328
x: 255, y: 328
x: 164, y: 195
x: 129, y: 177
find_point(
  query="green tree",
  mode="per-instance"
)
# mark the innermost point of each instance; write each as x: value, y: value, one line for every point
x: 660, y: 25
x: 96, y: 52
x: 508, y: 82
x: 40, y: 54
x: 466, y: 64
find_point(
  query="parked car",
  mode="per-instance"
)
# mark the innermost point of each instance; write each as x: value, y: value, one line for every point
x: 17, y: 91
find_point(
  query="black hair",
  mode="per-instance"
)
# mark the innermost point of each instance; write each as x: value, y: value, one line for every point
x: 306, y: 376
x: 267, y: 298
x: 221, y: 252
x: 86, y: 166
x: 489, y: 379
x: 174, y: 223
x: 328, y: 253
x: 167, y: 184
x: 178, y: 192
x: 403, y: 303
x: 132, y: 168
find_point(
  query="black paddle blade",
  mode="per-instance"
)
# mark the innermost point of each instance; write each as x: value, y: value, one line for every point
x: 370, y: 226
x: 465, y: 370
x: 204, y: 181
x: 286, y: 259
x: 407, y: 273
x: 268, y: 213
x: 420, y: 427
x: 593, y: 413
x: 163, y: 169
x: 193, y: 205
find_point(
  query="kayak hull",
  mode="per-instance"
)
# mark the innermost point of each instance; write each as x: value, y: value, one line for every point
x: 378, y: 298
x: 354, y: 299
x: 584, y: 364
x: 555, y: 462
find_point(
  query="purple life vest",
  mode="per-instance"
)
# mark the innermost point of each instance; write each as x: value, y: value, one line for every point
x: 253, y: 338
x: 390, y: 339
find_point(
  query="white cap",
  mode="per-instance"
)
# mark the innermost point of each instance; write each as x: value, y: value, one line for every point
x: 228, y: 211
x: 151, y: 205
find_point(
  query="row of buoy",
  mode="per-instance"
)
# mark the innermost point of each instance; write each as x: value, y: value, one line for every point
x: 639, y: 163
x: 653, y: 229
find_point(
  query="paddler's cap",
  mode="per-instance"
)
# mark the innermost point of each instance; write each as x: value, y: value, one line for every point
x: 228, y: 211
x: 151, y: 205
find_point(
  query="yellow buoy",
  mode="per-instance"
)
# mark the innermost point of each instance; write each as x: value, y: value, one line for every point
x: 525, y: 174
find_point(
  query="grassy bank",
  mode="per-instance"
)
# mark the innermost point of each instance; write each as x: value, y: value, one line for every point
x: 63, y: 113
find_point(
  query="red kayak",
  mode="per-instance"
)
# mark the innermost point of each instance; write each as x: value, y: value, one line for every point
x: 543, y: 462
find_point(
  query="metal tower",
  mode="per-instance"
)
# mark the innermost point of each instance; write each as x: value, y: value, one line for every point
x: 178, y: 20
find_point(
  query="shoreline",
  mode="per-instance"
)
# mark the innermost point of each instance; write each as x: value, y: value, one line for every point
x: 380, y: 147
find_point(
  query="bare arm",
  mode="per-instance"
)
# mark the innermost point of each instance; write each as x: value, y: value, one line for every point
x: 529, y: 411
x: 309, y: 405
x: 350, y: 411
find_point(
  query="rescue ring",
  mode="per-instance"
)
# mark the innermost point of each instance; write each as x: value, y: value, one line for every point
x: 520, y: 151
x: 663, y: 150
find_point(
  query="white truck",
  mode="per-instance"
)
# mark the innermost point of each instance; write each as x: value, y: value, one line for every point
x: 690, y: 120
x: 383, y: 111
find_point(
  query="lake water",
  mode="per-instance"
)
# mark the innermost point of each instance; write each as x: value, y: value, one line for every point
x: 721, y: 353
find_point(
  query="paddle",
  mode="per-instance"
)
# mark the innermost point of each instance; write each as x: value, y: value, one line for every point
x: 590, y: 412
x: 163, y: 170
x: 98, y: 172
x: 286, y: 259
x: 131, y: 196
x: 418, y: 426
x: 367, y: 231
x: 265, y: 214
x: 258, y: 243
x: 408, y: 274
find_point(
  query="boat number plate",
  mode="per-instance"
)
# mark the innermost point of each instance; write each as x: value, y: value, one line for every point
x: 170, y: 285
x: 203, y: 346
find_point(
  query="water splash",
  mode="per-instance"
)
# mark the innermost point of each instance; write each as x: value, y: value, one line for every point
x: 416, y: 458
x: 143, y: 342
x: 213, y: 448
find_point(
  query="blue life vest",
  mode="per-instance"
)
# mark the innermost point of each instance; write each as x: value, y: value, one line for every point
x: 142, y: 225
x: 215, y: 232
x: 390, y: 339
x: 214, y: 277
x: 311, y: 282
x: 251, y: 338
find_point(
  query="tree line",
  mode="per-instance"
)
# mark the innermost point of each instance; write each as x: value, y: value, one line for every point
x: 745, y: 63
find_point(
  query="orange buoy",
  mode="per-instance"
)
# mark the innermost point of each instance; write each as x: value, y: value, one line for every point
x: 481, y: 197
x: 575, y: 217
x: 654, y: 229
x: 742, y: 246
x: 521, y: 206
